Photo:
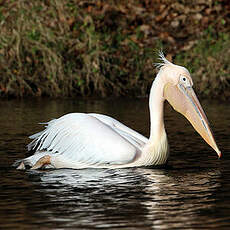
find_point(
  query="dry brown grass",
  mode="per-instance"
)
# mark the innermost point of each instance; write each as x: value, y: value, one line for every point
x: 75, y: 47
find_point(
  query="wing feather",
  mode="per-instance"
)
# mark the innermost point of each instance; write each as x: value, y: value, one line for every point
x: 121, y: 128
x: 88, y: 139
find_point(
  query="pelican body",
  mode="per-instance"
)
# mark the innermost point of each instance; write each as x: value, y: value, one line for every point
x: 80, y: 140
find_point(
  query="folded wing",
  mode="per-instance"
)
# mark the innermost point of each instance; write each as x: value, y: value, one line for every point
x: 89, y: 139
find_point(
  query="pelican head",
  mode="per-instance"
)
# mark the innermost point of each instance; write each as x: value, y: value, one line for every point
x: 178, y: 91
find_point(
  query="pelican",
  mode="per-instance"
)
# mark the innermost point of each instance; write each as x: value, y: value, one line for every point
x: 89, y: 140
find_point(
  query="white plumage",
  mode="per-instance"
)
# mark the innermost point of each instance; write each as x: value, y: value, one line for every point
x: 101, y: 140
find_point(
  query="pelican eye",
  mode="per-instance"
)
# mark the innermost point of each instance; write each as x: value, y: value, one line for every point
x: 184, y: 80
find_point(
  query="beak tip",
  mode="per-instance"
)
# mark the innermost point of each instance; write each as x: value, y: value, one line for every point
x: 219, y: 155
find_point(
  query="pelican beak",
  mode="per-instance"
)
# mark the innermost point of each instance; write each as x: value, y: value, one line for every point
x: 184, y: 100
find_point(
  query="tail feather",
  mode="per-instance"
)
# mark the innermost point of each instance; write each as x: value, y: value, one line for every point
x: 22, y: 164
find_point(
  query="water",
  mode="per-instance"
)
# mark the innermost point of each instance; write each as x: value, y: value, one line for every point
x: 192, y: 193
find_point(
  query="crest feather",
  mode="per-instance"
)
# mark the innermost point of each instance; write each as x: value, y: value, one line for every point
x: 163, y: 60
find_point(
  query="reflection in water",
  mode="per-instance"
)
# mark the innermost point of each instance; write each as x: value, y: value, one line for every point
x: 134, y: 198
x: 179, y: 199
x: 192, y: 193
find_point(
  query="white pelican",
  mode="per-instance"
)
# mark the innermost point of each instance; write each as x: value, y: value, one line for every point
x: 80, y: 140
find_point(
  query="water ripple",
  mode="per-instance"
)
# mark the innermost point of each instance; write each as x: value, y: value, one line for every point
x: 192, y: 193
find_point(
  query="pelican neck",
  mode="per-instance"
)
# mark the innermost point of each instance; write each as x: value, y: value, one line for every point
x: 156, y: 108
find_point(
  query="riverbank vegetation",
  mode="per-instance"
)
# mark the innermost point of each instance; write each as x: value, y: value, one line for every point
x: 83, y: 48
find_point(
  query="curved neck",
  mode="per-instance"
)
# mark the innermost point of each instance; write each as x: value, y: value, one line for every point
x: 156, y: 107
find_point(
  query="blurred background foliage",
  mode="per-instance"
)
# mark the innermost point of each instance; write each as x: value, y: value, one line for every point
x: 103, y: 48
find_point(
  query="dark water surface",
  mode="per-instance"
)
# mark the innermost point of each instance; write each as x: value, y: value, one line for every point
x: 192, y: 193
